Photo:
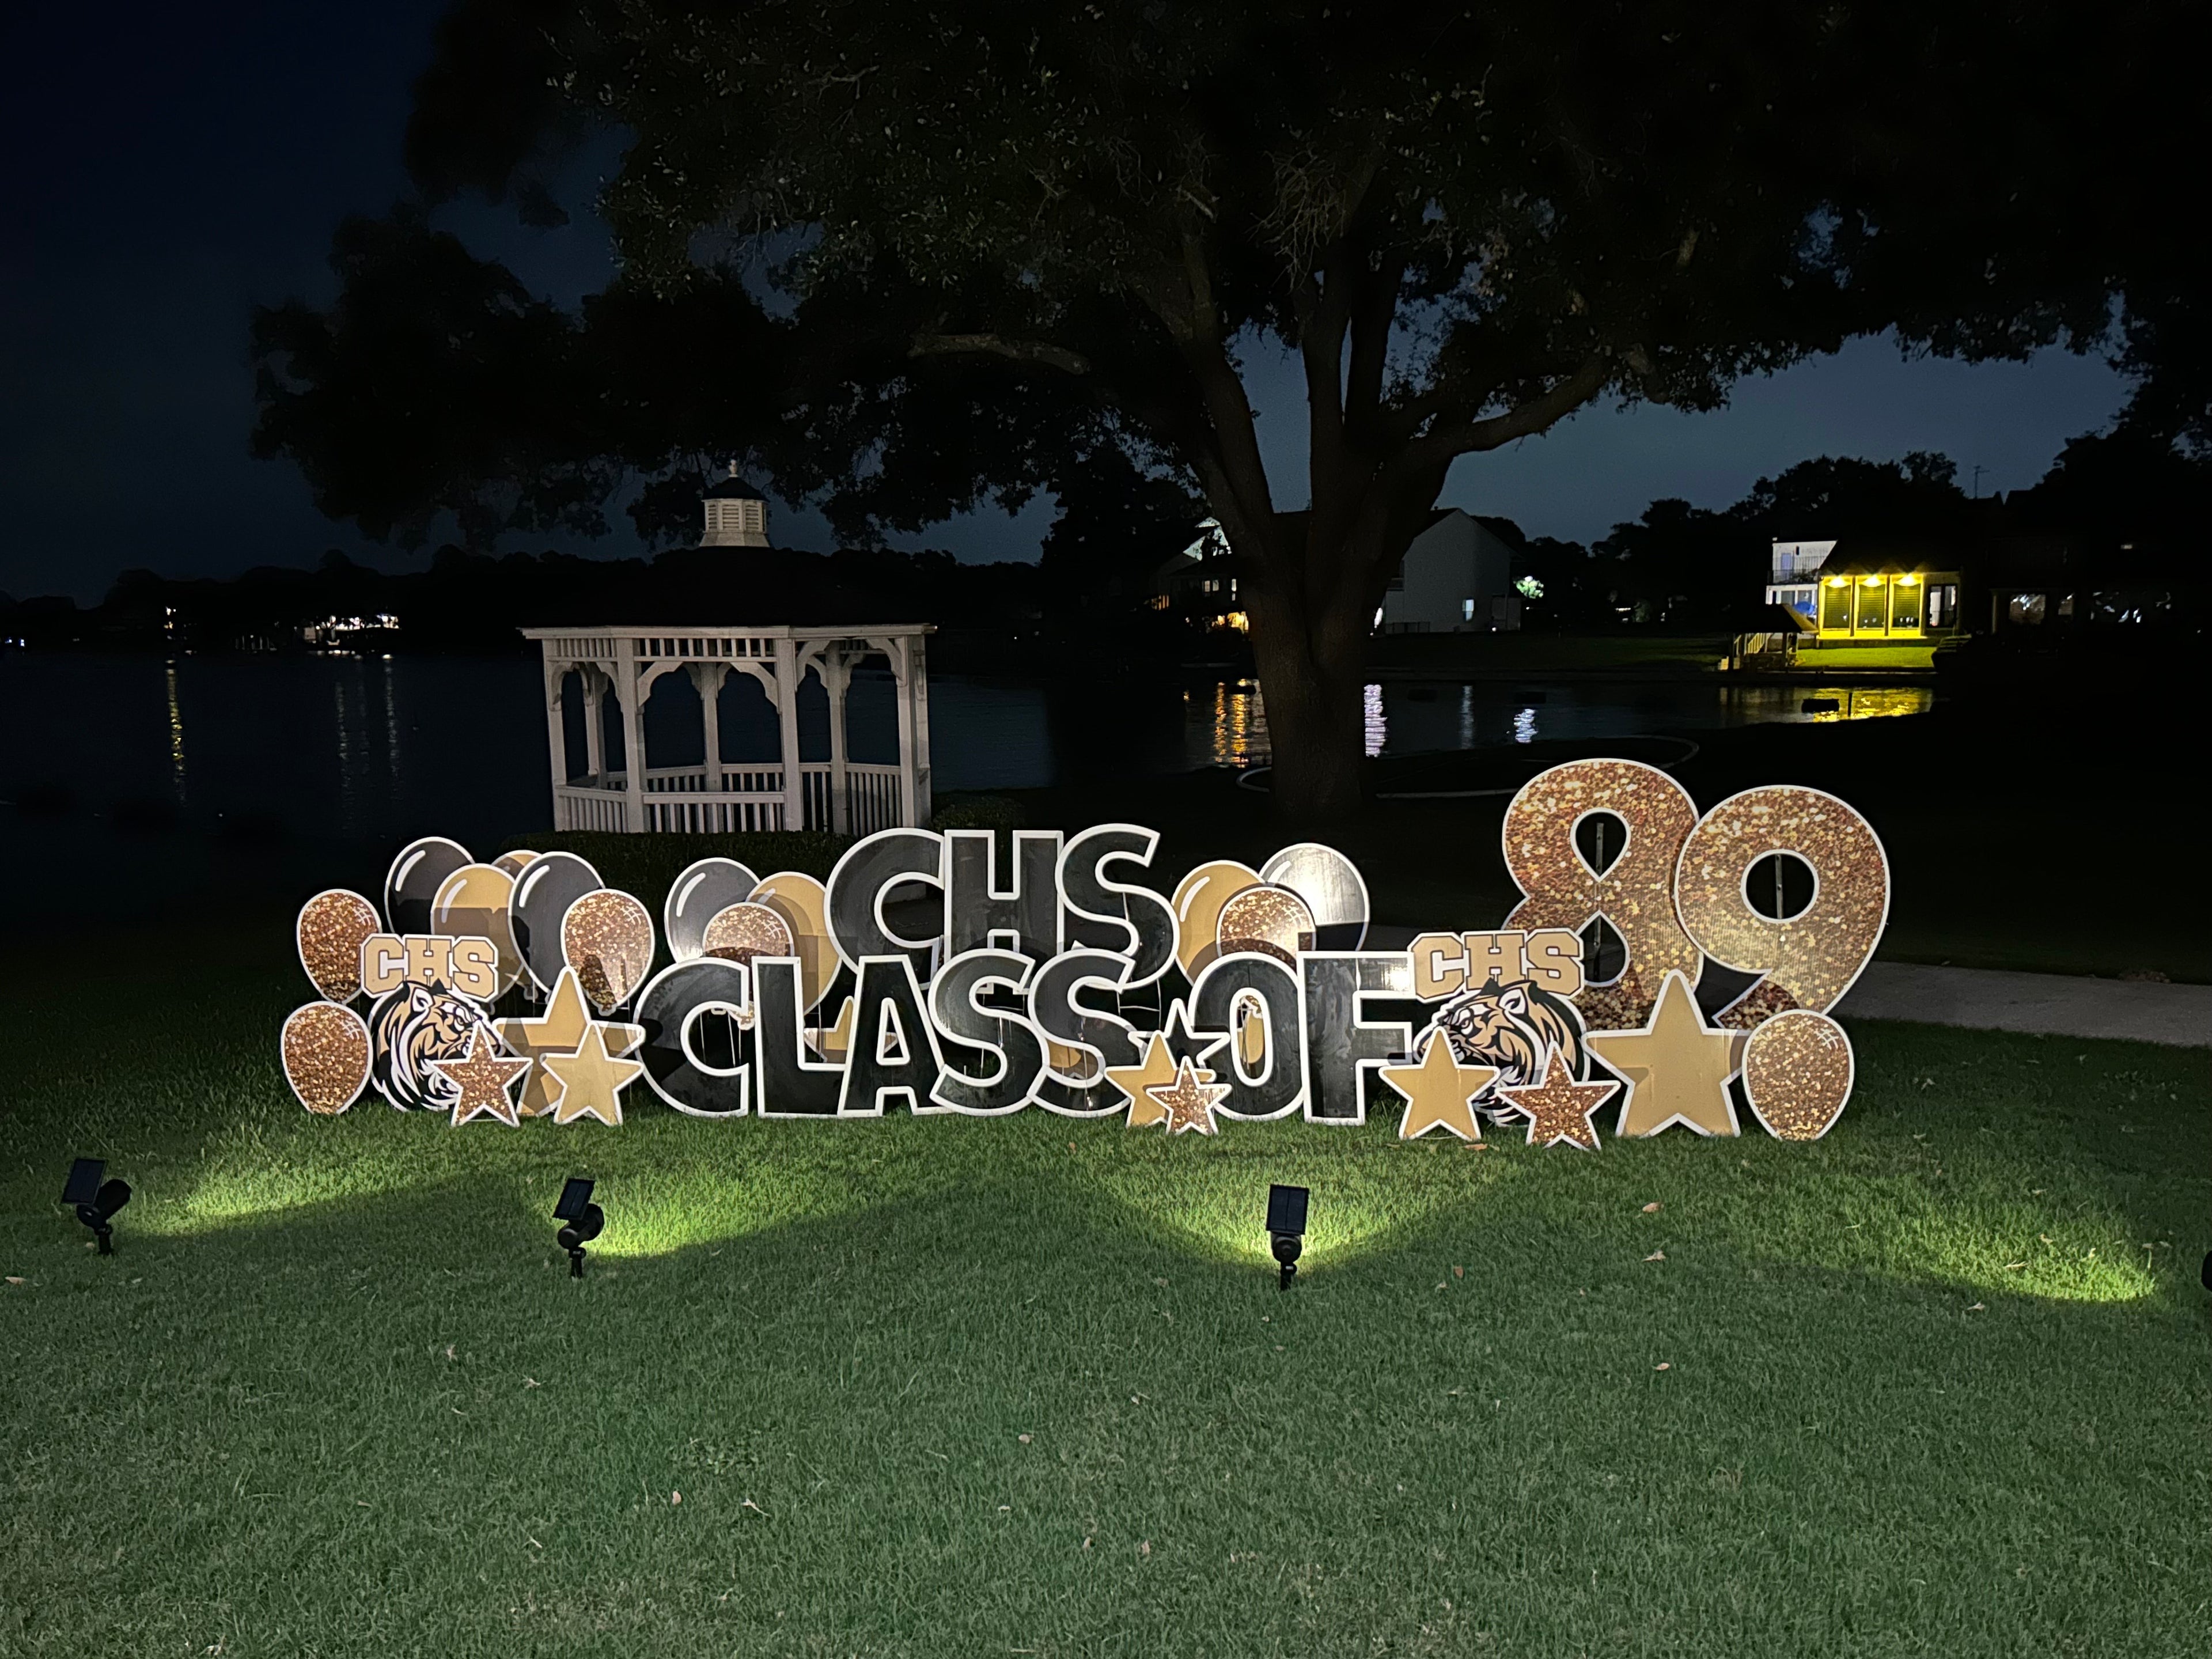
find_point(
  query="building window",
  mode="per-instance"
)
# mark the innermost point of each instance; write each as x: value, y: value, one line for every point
x: 2024, y: 610
x: 1467, y: 610
x: 1398, y: 576
x: 1942, y: 602
x: 1835, y: 606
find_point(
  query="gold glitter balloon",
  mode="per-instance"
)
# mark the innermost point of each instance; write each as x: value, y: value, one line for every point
x: 1636, y: 894
x: 1797, y: 1074
x: 1197, y: 903
x: 331, y: 929
x: 1811, y: 959
x: 741, y: 932
x: 327, y: 1050
x: 472, y: 903
x: 803, y: 904
x: 1274, y: 920
x: 606, y: 936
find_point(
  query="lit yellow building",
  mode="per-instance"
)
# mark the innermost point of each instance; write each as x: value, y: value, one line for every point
x: 1842, y: 598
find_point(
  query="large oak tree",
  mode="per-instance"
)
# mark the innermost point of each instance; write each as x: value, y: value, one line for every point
x: 1008, y: 240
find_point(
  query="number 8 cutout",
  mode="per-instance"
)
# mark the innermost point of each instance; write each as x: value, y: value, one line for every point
x: 1798, y: 1064
x: 1634, y: 894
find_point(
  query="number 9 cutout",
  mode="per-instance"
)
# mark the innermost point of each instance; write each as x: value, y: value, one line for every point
x: 1798, y: 1068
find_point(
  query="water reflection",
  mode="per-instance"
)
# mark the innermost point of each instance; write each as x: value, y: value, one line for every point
x: 1226, y: 725
x: 176, y: 738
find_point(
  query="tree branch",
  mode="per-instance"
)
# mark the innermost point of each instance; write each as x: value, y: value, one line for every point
x: 1538, y: 413
x: 1041, y: 352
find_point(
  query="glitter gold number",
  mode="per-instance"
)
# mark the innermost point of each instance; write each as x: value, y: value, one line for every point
x: 1634, y: 894
x: 1810, y: 959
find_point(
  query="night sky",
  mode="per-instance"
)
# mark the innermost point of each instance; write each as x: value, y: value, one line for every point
x: 169, y: 168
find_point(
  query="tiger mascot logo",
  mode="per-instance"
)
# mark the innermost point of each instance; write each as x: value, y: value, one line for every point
x: 1513, y: 1026
x: 414, y: 1024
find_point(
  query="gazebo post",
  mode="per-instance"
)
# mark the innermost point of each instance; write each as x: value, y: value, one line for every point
x: 595, y: 726
x: 786, y: 717
x: 708, y: 677
x: 557, y: 730
x: 913, y: 730
x: 633, y: 735
x: 837, y: 676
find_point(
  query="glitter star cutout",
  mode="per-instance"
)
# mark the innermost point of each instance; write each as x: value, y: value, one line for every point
x: 1163, y: 1052
x: 590, y: 1081
x: 486, y: 1077
x: 1439, y: 1091
x: 558, y: 1031
x: 1186, y: 1102
x: 1678, y: 1068
x: 1559, y: 1109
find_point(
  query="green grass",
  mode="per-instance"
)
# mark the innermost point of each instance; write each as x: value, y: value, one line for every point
x: 1935, y: 1384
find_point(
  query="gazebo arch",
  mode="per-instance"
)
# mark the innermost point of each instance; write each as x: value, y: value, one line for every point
x: 838, y: 794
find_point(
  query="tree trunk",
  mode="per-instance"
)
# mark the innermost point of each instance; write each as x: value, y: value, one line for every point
x: 1310, y: 643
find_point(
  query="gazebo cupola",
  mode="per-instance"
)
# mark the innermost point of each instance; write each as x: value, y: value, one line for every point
x: 736, y: 514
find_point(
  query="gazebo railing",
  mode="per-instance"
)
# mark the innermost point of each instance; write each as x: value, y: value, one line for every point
x: 678, y: 799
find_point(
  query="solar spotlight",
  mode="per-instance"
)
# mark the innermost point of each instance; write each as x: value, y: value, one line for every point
x: 581, y: 1221
x: 1286, y: 1228
x: 95, y: 1200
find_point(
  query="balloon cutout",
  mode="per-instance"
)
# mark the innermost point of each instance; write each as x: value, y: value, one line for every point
x: 1331, y: 886
x: 697, y: 897
x: 803, y: 904
x: 1198, y: 900
x: 1797, y: 1074
x: 745, y: 931
x: 513, y: 862
x: 1274, y: 920
x: 327, y: 1053
x: 411, y: 885
x: 607, y: 938
x: 331, y: 929
x: 548, y: 885
x: 472, y: 903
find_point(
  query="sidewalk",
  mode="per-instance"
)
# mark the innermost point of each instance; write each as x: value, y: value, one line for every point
x: 2054, y: 1005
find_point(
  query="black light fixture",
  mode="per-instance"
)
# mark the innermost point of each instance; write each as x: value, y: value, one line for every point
x: 1286, y: 1228
x: 581, y: 1220
x: 95, y: 1200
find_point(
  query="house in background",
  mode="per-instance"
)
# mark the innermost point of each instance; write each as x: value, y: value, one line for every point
x: 1793, y: 581
x: 1457, y: 578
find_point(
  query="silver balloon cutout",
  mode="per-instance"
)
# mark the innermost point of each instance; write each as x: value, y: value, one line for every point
x: 411, y: 884
x: 707, y: 888
x: 548, y: 885
x: 1330, y: 885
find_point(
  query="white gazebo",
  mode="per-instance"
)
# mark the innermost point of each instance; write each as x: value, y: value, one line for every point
x: 838, y: 794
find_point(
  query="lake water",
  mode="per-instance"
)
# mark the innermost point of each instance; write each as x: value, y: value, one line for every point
x: 134, y: 774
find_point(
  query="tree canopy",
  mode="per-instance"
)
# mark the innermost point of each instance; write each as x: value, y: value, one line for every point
x: 974, y: 247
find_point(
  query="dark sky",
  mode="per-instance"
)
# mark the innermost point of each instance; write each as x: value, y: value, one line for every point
x: 167, y: 168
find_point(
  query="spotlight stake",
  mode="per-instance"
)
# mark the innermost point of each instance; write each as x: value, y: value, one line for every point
x: 1286, y: 1228
x: 581, y: 1221
x: 95, y: 1200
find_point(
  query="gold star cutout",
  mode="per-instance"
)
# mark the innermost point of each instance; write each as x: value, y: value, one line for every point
x: 1439, y: 1091
x: 590, y: 1079
x: 1156, y: 1069
x: 1186, y: 1102
x: 1678, y: 1068
x: 485, y: 1077
x: 1559, y: 1109
x: 558, y: 1031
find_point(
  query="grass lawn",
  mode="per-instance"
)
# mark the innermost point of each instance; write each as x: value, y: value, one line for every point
x: 1937, y: 1383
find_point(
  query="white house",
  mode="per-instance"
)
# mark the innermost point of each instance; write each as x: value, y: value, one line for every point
x: 1793, y: 580
x: 1457, y: 578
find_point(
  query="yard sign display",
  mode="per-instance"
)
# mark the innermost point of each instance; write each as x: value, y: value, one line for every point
x: 929, y: 975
